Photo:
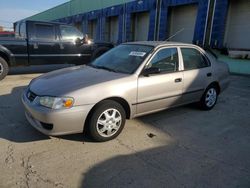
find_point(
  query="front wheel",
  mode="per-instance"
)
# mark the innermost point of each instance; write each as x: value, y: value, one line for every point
x: 4, y: 68
x: 209, y: 98
x: 106, y: 121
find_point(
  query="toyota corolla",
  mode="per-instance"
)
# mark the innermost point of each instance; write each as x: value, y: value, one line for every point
x: 131, y: 80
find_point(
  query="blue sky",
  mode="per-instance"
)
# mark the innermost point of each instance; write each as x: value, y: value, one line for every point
x: 14, y: 10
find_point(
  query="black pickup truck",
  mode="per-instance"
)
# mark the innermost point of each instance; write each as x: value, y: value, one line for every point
x: 40, y: 43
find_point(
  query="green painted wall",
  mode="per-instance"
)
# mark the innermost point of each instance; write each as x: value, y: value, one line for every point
x: 238, y: 66
x: 74, y: 7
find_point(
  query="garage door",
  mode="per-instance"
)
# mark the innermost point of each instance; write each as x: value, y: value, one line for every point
x: 92, y: 28
x: 141, y: 26
x: 237, y: 35
x: 78, y: 25
x: 112, y: 28
x: 182, y: 18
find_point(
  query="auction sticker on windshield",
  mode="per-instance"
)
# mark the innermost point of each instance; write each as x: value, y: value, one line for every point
x: 137, y: 54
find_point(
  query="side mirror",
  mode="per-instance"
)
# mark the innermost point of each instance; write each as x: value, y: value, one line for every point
x: 78, y: 42
x: 151, y: 70
x: 86, y: 40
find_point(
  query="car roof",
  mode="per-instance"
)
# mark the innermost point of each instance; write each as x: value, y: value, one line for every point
x: 160, y: 43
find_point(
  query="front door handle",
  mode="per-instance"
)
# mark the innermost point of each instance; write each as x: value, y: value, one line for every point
x: 178, y: 80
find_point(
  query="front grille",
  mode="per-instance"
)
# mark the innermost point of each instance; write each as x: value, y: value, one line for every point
x: 31, y: 96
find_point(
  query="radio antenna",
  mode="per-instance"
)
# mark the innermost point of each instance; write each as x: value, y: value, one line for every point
x: 175, y: 34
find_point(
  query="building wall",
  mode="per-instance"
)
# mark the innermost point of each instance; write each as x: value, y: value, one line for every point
x: 210, y: 24
x: 75, y: 7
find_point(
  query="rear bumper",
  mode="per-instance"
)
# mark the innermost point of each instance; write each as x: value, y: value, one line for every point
x: 62, y: 122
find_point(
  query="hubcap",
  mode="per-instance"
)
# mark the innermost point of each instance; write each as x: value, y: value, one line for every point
x: 109, y: 122
x: 211, y: 97
x: 1, y: 68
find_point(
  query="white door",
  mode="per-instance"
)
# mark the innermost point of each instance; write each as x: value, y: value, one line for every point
x: 182, y: 18
x: 114, y: 28
x: 141, y: 26
x: 237, y: 34
x: 92, y: 28
x: 78, y: 25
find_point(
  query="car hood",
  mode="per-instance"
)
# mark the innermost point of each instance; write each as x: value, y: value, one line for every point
x: 64, y: 81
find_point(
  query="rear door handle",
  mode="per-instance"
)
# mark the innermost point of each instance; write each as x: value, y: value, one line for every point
x: 209, y: 74
x: 178, y: 80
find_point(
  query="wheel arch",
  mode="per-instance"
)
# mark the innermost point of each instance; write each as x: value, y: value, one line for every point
x: 216, y: 84
x: 5, y: 57
x: 119, y: 100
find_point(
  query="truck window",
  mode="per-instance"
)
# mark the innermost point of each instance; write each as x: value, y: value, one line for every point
x: 23, y: 30
x: 70, y: 33
x: 45, y: 32
x: 17, y: 29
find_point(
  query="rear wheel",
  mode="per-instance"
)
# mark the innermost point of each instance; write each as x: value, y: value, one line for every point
x: 4, y: 68
x: 209, y: 98
x: 107, y: 121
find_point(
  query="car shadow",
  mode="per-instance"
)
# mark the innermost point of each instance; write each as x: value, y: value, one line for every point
x: 173, y: 165
x: 200, y: 153
x: 14, y: 126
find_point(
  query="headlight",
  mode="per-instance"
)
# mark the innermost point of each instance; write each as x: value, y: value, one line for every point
x: 56, y: 102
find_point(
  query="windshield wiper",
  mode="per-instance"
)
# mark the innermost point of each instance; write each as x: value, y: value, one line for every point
x: 106, y: 68
x: 102, y: 67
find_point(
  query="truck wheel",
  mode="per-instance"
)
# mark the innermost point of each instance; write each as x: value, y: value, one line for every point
x: 99, y: 51
x: 107, y: 121
x: 4, y: 68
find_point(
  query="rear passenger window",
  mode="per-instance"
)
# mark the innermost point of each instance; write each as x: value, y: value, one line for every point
x: 193, y: 59
x: 45, y: 32
x: 166, y: 60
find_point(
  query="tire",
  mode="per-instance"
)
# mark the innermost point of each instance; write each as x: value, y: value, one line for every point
x: 99, y: 51
x: 4, y: 68
x: 107, y: 121
x: 209, y: 98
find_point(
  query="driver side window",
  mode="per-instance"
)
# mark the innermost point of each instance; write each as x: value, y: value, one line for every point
x: 70, y: 33
x: 166, y: 60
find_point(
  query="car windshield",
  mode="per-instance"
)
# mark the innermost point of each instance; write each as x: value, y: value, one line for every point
x: 124, y: 58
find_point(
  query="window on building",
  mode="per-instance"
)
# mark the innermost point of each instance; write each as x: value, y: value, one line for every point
x: 193, y: 59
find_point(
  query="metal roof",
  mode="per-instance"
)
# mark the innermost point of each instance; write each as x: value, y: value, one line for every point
x: 75, y: 7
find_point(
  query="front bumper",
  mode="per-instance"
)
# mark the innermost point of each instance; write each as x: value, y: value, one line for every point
x: 63, y: 122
